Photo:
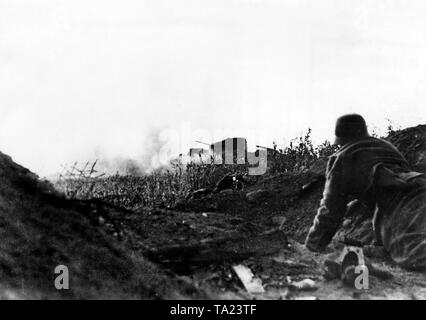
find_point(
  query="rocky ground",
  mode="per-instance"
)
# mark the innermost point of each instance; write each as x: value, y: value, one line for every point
x: 188, y: 251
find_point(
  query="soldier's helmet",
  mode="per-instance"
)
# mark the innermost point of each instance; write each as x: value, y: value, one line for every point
x: 350, y: 127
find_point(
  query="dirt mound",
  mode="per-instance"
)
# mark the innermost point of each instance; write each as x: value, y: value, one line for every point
x: 412, y: 143
x: 40, y: 230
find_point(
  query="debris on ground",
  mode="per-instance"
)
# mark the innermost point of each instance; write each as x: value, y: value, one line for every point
x: 230, y: 181
x: 305, y: 285
x: 252, y: 284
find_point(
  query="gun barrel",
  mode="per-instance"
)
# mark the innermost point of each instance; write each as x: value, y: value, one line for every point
x: 207, y: 144
x: 261, y: 147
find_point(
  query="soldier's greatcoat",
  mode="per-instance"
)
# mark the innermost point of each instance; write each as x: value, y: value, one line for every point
x: 374, y: 172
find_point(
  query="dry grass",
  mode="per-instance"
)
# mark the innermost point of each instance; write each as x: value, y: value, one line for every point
x: 164, y: 187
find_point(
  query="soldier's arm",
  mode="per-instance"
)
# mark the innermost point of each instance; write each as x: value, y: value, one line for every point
x: 332, y: 208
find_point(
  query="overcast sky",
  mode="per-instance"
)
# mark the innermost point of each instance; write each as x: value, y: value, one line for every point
x: 96, y: 78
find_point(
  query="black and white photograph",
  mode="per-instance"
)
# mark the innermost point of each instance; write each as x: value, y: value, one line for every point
x: 213, y: 154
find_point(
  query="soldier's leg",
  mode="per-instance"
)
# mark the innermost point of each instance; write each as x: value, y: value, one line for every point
x: 405, y: 231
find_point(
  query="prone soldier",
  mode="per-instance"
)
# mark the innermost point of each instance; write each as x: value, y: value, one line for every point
x: 376, y: 173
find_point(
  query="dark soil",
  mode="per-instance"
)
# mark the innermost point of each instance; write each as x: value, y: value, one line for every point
x: 41, y: 230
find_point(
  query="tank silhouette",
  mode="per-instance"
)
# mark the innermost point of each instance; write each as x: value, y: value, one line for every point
x: 230, y: 151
